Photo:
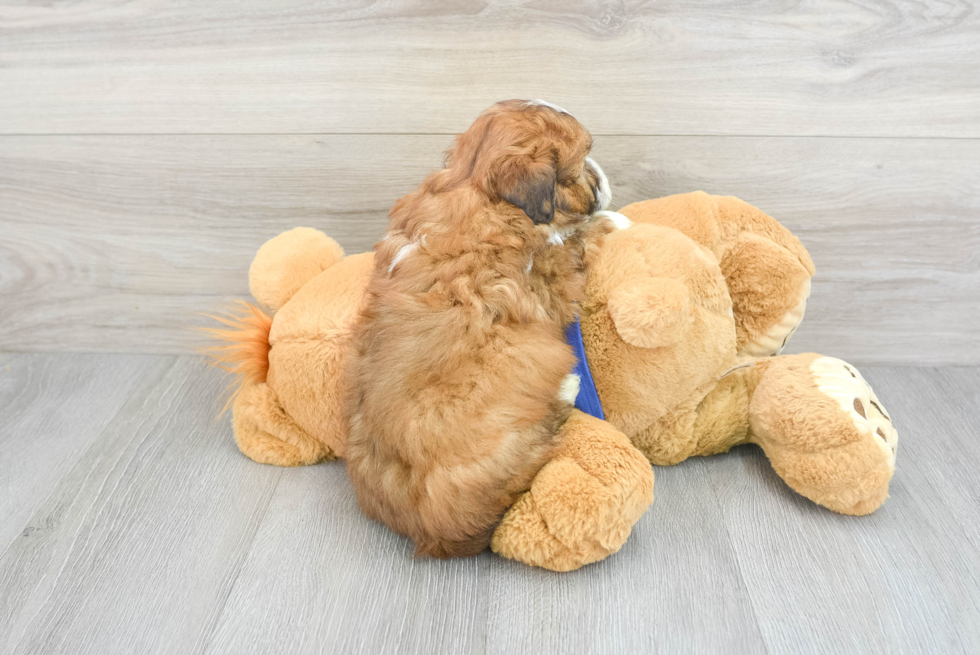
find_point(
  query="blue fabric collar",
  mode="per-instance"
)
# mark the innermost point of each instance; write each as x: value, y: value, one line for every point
x: 588, y: 398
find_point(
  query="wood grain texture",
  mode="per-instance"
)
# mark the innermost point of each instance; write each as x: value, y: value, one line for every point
x: 892, y: 225
x: 848, y: 68
x: 940, y: 409
x: 147, y: 148
x: 162, y: 538
x: 112, y: 243
x: 54, y: 407
x: 330, y: 580
x: 904, y: 579
x: 674, y: 587
x: 137, y: 547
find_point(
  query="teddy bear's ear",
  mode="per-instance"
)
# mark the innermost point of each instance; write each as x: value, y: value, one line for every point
x: 286, y: 262
x: 651, y: 312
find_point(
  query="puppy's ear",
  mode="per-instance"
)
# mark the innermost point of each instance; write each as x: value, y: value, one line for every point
x: 529, y: 184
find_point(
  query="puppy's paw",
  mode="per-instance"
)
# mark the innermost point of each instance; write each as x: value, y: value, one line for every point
x: 569, y: 388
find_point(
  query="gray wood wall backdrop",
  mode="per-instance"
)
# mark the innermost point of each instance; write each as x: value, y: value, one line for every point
x: 147, y: 148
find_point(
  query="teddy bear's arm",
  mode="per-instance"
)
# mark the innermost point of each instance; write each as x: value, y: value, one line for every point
x: 769, y: 288
x: 266, y: 433
x: 767, y: 268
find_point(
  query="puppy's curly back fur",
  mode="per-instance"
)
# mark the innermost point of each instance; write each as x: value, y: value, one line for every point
x: 460, y: 351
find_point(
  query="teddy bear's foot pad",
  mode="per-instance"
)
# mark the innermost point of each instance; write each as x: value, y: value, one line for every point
x: 845, y: 384
x: 582, y: 505
x: 825, y: 432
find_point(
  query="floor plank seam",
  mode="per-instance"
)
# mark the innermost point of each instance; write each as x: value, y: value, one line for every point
x: 109, y: 421
x: 241, y: 566
x: 811, y: 582
x: 738, y: 564
x: 83, y: 524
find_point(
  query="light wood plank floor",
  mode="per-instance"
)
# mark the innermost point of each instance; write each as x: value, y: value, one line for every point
x: 132, y: 524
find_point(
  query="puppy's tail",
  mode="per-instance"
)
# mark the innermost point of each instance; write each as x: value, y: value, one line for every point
x: 243, y: 346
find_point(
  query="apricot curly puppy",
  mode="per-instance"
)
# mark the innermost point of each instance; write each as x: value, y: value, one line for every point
x: 458, y: 382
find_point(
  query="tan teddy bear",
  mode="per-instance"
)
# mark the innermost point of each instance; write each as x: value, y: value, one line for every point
x: 684, y: 312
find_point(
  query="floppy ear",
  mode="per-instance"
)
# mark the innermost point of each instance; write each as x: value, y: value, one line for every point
x: 528, y: 184
x: 651, y: 312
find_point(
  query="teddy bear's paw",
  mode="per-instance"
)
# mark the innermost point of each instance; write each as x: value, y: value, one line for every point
x: 773, y: 340
x: 825, y: 432
x: 555, y: 524
x: 583, y: 504
x: 267, y: 435
x: 845, y: 384
x: 769, y: 287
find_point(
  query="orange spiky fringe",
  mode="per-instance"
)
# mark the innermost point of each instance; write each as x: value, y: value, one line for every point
x: 246, y: 354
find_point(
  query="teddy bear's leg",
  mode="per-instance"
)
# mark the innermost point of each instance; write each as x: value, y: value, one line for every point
x: 711, y: 422
x: 825, y: 432
x: 582, y: 505
x: 266, y: 434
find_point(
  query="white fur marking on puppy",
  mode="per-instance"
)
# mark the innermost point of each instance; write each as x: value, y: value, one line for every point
x: 557, y: 235
x: 545, y: 103
x: 530, y: 265
x: 402, y: 253
x: 569, y: 388
x: 620, y: 221
x: 603, y: 192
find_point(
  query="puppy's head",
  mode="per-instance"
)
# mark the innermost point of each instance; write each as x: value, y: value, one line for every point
x: 533, y: 155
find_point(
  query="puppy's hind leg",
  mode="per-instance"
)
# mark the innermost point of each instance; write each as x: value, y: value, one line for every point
x: 465, y: 503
